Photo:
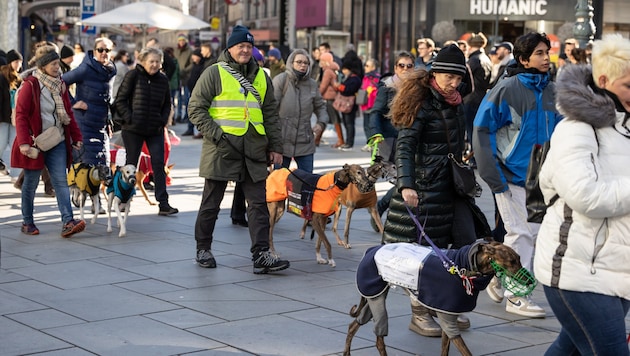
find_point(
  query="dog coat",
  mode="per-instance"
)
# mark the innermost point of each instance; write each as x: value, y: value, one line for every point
x: 123, y: 190
x: 307, y: 192
x: 420, y: 270
x: 80, y: 174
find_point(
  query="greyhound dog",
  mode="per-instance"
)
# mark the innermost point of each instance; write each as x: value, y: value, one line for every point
x: 324, y: 191
x: 84, y: 181
x: 120, y: 191
x: 353, y: 199
x: 422, y: 275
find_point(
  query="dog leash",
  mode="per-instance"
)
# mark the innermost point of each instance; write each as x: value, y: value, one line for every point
x: 448, y: 264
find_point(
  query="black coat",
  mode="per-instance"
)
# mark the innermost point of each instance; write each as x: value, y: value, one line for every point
x: 144, y: 102
x: 422, y: 160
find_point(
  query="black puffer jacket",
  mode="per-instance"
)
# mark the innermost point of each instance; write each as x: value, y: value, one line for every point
x: 425, y: 146
x: 144, y: 102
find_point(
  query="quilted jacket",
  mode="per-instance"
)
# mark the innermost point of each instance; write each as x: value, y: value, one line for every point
x: 422, y: 160
x: 144, y: 102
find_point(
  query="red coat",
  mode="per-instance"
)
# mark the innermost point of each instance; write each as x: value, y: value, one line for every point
x: 28, y: 122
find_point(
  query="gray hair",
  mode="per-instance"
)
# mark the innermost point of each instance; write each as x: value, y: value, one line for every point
x: 145, y: 52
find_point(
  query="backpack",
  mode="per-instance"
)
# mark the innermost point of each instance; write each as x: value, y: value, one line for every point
x: 366, y: 96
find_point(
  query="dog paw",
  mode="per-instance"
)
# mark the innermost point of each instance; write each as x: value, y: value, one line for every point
x: 322, y: 261
x: 332, y: 263
x: 109, y: 229
x: 153, y: 202
x: 122, y: 234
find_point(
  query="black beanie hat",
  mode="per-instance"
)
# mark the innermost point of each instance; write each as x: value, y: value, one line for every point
x: 450, y: 60
x: 66, y: 51
x: 240, y: 34
x: 14, y: 55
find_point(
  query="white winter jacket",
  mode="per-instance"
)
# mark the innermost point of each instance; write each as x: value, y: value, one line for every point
x: 584, y: 241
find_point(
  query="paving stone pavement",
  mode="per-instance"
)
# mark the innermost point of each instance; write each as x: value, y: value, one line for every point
x: 98, y: 294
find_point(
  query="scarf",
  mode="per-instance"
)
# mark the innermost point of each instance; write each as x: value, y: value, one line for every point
x: 454, y: 98
x: 56, y: 87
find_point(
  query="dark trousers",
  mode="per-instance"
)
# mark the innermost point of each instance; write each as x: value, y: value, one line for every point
x: 133, y: 145
x: 348, y: 123
x: 257, y: 213
x: 238, y: 204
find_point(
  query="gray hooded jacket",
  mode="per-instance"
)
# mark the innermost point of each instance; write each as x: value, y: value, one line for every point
x: 298, y: 99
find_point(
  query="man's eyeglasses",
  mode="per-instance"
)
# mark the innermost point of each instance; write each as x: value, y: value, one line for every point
x: 101, y: 50
x: 403, y: 65
x: 301, y: 63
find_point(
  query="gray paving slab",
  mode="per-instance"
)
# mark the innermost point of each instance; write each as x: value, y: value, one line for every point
x: 19, y: 339
x: 133, y: 336
x: 144, y: 295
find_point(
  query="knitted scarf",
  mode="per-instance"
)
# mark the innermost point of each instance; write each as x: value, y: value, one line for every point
x: 56, y: 87
x: 454, y: 98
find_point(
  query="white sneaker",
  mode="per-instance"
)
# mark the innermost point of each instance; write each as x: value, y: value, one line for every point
x: 495, y: 290
x: 524, y: 306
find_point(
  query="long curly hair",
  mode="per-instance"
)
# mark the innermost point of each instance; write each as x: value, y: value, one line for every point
x: 409, y: 97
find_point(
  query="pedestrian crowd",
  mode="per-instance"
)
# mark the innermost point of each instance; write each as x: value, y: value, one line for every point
x: 463, y: 102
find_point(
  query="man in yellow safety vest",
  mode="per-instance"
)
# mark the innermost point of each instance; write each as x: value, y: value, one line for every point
x: 234, y: 109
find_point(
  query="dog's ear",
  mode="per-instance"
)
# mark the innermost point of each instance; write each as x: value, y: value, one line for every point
x: 346, y: 166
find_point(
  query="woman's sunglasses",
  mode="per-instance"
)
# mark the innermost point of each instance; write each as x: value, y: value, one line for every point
x: 101, y: 50
x: 403, y: 65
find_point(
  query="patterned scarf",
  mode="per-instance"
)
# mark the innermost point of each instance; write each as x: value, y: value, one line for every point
x: 56, y: 87
x: 454, y: 98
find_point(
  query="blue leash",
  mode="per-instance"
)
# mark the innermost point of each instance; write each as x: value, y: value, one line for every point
x: 448, y: 264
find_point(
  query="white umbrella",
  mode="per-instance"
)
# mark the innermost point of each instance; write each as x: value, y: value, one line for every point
x: 146, y: 14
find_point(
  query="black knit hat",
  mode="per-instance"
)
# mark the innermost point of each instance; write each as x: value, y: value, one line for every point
x: 14, y: 55
x: 240, y: 34
x: 66, y: 51
x: 450, y: 60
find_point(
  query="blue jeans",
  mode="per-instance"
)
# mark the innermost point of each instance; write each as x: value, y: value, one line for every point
x: 55, y: 160
x: 592, y: 323
x: 304, y: 163
x: 182, y: 100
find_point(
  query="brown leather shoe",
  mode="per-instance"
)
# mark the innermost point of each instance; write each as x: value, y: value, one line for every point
x: 422, y: 322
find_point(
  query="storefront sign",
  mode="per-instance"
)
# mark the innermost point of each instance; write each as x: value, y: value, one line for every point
x: 508, y: 7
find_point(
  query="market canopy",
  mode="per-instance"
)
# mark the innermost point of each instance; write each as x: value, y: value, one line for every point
x: 146, y: 14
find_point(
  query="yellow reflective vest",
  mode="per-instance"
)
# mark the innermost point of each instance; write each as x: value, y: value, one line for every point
x: 232, y: 110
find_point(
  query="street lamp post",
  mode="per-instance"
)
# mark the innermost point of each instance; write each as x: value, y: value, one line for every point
x: 584, y: 27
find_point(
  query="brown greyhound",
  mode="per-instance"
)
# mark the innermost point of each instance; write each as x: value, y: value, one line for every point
x: 325, y: 193
x: 353, y: 199
x: 432, y: 285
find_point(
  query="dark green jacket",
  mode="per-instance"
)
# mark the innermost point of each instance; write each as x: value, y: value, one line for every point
x: 227, y: 157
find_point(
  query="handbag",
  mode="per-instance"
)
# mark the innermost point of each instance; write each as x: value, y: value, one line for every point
x: 343, y: 104
x: 362, y: 97
x: 463, y: 178
x: 534, y: 199
x: 49, y: 138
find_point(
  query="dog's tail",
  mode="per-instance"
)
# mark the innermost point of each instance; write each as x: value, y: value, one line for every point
x: 356, y: 310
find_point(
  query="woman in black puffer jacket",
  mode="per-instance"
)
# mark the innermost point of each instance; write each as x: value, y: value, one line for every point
x: 429, y: 114
x: 143, y: 103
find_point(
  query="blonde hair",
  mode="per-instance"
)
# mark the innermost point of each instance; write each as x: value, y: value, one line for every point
x: 611, y: 57
x: 108, y: 43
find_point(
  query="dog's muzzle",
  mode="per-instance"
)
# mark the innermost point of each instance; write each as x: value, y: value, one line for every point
x: 132, y: 180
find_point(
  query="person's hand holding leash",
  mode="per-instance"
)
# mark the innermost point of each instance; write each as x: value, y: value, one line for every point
x: 410, y: 196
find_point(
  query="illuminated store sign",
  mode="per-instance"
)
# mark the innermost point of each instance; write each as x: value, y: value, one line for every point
x: 508, y: 7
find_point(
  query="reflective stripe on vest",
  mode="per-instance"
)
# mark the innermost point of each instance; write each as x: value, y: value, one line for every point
x: 232, y: 111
